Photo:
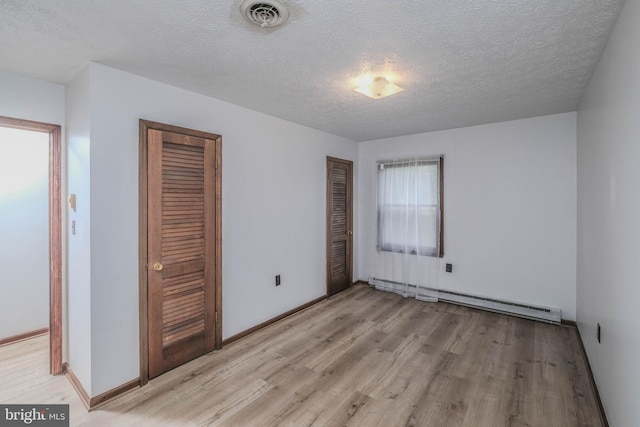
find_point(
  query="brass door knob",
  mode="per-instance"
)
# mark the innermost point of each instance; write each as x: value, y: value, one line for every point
x: 157, y: 266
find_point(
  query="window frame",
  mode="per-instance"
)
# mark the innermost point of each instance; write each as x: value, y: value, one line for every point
x: 439, y: 250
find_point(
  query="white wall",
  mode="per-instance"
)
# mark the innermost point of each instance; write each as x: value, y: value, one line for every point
x: 608, y: 220
x: 509, y: 207
x: 79, y: 335
x: 31, y: 99
x: 273, y: 210
x: 24, y: 227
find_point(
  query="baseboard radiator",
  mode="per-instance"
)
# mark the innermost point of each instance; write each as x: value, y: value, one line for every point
x: 528, y: 311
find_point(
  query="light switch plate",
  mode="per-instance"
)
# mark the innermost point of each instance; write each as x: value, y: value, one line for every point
x: 72, y: 202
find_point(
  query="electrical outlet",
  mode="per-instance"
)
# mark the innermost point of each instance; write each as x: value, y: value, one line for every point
x: 598, y: 332
x: 277, y: 280
x: 449, y: 268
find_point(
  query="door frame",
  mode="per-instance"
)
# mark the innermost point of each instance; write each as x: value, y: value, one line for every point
x: 143, y: 261
x: 328, y: 218
x: 55, y: 232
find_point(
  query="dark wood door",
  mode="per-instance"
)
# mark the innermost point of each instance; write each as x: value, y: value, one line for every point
x: 181, y: 253
x: 339, y: 224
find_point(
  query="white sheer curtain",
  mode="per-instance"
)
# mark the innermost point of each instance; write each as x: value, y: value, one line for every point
x: 409, y: 212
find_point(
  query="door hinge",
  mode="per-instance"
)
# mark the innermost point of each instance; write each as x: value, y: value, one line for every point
x: 216, y: 317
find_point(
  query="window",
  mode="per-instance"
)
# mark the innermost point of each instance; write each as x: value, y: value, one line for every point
x: 410, y: 206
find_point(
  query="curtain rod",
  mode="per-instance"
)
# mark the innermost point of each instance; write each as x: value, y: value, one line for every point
x: 407, y: 161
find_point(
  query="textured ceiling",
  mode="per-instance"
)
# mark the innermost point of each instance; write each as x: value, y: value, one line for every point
x: 461, y: 62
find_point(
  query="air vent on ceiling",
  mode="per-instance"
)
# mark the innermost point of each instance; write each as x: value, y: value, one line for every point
x: 266, y: 13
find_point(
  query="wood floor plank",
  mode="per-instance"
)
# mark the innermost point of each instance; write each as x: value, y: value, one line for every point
x: 361, y: 358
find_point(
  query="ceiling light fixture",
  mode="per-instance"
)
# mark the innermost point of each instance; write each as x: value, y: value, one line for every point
x: 378, y: 88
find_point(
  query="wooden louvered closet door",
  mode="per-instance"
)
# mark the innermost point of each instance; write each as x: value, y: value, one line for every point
x: 339, y: 224
x: 181, y: 251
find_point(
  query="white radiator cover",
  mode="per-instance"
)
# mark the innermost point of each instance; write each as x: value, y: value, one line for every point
x: 528, y: 311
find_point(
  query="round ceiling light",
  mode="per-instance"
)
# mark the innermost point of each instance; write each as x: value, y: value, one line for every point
x: 265, y: 13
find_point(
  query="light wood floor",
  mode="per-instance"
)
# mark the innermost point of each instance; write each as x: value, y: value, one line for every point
x: 362, y: 358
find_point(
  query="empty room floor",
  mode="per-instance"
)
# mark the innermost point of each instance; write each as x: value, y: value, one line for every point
x: 362, y: 358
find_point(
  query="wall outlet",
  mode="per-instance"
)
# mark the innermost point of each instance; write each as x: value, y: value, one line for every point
x: 449, y: 268
x: 277, y: 280
x: 598, y: 332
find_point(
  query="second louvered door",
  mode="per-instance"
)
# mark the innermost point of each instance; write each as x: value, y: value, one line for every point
x: 181, y: 236
x: 339, y: 224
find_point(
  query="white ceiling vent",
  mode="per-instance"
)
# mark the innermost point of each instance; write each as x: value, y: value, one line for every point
x: 266, y: 13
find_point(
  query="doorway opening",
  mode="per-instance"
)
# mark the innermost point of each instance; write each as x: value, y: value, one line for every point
x: 20, y: 183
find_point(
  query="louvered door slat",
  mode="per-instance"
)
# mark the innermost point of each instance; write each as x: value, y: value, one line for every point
x: 182, y: 312
x: 339, y: 205
x: 180, y: 287
x: 339, y: 265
